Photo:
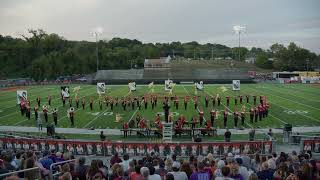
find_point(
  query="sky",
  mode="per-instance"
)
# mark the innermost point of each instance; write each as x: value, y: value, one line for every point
x: 206, y: 21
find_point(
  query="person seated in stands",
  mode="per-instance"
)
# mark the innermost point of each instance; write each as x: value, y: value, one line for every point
x: 102, y: 136
x: 227, y: 135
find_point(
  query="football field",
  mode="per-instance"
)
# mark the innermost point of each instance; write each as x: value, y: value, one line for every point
x: 296, y: 104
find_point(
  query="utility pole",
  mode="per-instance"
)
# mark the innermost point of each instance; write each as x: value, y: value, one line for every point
x: 239, y: 45
x: 194, y: 54
x: 212, y: 53
x: 172, y: 53
x: 97, y: 52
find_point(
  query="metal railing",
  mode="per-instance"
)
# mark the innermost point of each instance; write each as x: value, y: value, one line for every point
x: 51, y: 175
x: 16, y: 172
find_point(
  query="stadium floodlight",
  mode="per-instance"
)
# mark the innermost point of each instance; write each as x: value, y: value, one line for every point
x: 96, y: 32
x: 238, y: 30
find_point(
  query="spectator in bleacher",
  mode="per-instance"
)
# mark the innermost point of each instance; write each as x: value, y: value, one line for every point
x: 169, y: 177
x: 225, y: 171
x: 46, y: 161
x: 271, y: 163
x: 125, y: 162
x: 243, y: 171
x: 185, y: 167
x: 144, y: 173
x: 161, y: 171
x: 65, y: 172
x: 234, y: 172
x: 131, y: 168
x: 3, y: 169
x: 282, y: 172
x: 152, y: 175
x: 94, y: 172
x: 200, y: 174
x: 102, y: 168
x: 178, y: 175
x: 265, y: 173
x: 155, y: 163
x: 168, y: 164
x: 136, y: 175
x: 256, y: 163
x: 32, y: 174
x: 117, y: 172
x: 81, y: 169
x: 253, y: 176
x: 59, y: 157
x: 218, y: 171
x: 53, y: 156
x: 115, y: 159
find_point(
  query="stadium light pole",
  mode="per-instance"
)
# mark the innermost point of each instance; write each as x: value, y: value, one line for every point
x: 96, y: 33
x: 307, y: 66
x: 238, y: 30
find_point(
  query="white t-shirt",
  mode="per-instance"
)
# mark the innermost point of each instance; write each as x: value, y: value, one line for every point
x: 179, y: 175
x: 244, y: 172
x: 154, y: 177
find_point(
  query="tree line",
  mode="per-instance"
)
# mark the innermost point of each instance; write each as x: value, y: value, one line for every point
x: 43, y: 55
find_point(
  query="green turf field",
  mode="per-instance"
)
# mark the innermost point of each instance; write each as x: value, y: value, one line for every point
x: 297, y: 104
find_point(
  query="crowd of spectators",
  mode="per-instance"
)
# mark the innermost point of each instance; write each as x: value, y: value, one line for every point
x: 153, y: 167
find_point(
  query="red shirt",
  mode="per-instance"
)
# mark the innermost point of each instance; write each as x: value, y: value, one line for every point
x: 126, y: 126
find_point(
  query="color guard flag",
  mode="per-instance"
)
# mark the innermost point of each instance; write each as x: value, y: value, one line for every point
x: 236, y: 85
x: 22, y: 95
x: 101, y: 88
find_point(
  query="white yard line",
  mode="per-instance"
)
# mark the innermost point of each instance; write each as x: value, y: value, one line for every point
x: 101, y: 114
x: 291, y: 100
x: 289, y: 109
x: 228, y: 108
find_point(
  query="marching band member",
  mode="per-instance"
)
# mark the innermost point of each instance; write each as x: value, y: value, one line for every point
x: 213, y: 114
x: 195, y: 99
x: 235, y: 100
x: 225, y: 117
x: 235, y: 117
x: 240, y: 97
x: 206, y: 101
x: 55, y: 116
x: 247, y: 98
x: 251, y: 114
x: 91, y: 103
x: 201, y: 117
x: 228, y: 100
x: 70, y: 101
x: 71, y: 115
x: 219, y: 99
x: 254, y: 100
x: 64, y: 101
x: 176, y: 102
x: 194, y: 122
x: 185, y: 101
x: 77, y: 102
x: 213, y: 98
x: 36, y: 112
x: 49, y: 100
x: 45, y: 112
x: 242, y: 116
x: 38, y: 100
x: 83, y: 102
x: 28, y: 112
